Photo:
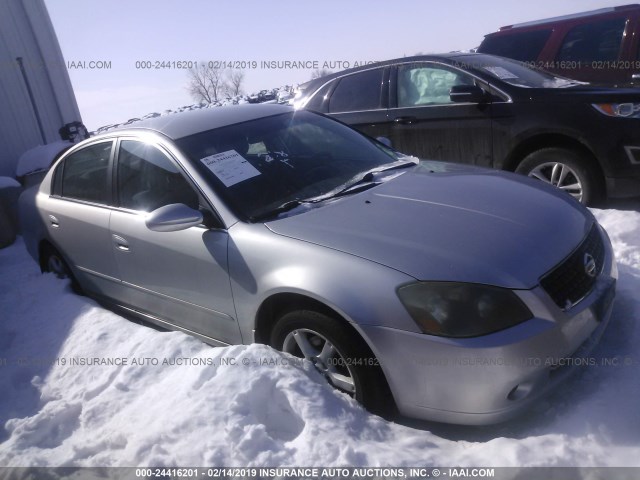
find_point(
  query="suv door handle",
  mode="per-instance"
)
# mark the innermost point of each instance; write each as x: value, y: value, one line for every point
x: 405, y: 120
x: 54, y: 221
x: 121, y: 243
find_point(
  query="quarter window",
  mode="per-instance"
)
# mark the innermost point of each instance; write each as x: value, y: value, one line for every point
x: 427, y: 85
x: 85, y: 173
x: 360, y: 91
x: 593, y: 41
x: 148, y: 179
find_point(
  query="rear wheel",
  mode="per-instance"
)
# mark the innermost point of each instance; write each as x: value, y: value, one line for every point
x: 565, y: 169
x: 52, y: 261
x: 338, y: 354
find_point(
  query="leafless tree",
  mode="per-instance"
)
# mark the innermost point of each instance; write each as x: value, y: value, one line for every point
x: 320, y: 72
x: 206, y: 83
x: 234, y: 82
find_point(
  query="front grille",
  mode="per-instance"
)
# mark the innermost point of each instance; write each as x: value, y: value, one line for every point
x: 569, y: 282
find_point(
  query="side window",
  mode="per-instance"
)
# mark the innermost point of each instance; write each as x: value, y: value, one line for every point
x: 85, y: 173
x: 523, y: 46
x: 427, y: 85
x: 593, y: 41
x: 148, y: 179
x: 360, y: 91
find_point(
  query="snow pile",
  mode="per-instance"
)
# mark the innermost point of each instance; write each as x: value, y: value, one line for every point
x: 8, y: 182
x: 40, y: 157
x: 177, y: 401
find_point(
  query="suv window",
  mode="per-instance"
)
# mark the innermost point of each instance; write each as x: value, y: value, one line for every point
x: 523, y: 46
x: 85, y: 173
x: 317, y: 103
x: 427, y: 85
x: 593, y: 41
x: 359, y: 91
x: 148, y: 179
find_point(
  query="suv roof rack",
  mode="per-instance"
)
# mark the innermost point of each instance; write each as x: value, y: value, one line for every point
x: 572, y: 16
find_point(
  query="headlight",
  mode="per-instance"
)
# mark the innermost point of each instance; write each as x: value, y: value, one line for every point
x: 450, y: 309
x: 624, y: 110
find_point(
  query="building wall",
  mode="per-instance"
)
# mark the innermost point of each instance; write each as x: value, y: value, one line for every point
x: 26, y: 31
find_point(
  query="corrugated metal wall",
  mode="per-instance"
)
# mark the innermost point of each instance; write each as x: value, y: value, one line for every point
x: 26, y: 31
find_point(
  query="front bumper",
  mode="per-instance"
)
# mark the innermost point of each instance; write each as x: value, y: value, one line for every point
x: 495, y: 377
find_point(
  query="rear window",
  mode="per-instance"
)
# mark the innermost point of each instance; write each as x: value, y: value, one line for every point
x: 360, y: 91
x: 593, y: 41
x: 523, y: 46
x: 85, y: 173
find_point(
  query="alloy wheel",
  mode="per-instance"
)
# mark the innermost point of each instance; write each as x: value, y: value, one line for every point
x: 311, y: 345
x: 560, y: 176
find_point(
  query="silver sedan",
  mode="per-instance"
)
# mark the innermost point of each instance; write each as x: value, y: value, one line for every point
x: 445, y: 292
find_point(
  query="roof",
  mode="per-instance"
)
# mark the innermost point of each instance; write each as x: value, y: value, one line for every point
x: 590, y: 13
x: 183, y: 124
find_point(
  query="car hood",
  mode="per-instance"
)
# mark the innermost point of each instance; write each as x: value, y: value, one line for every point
x: 446, y: 222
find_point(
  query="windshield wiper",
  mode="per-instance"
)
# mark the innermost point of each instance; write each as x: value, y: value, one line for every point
x: 357, y: 183
x: 285, y: 207
x: 366, y: 179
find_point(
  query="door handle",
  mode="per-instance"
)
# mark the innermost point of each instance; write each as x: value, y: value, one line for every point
x: 405, y: 120
x: 54, y: 221
x: 120, y: 243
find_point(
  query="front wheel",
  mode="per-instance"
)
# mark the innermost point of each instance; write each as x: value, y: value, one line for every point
x: 338, y: 354
x: 564, y: 169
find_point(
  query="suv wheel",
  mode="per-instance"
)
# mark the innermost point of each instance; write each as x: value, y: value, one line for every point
x: 340, y: 356
x: 564, y: 169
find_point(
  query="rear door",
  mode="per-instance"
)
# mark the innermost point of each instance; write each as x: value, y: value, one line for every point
x: 427, y: 123
x: 360, y: 100
x: 179, y: 277
x: 77, y: 216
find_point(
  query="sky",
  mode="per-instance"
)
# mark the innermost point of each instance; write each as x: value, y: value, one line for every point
x: 108, y: 45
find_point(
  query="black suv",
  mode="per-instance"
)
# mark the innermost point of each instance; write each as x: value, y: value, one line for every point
x: 494, y: 112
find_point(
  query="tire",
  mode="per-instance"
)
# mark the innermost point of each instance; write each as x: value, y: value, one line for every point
x: 53, y: 262
x: 566, y: 169
x: 338, y: 354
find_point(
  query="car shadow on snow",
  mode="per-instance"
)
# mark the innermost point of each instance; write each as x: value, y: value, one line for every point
x: 630, y: 204
x: 600, y: 398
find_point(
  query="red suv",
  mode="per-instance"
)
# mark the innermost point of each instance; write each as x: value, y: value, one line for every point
x: 600, y: 46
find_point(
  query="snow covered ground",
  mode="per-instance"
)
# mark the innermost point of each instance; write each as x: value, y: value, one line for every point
x: 188, y: 412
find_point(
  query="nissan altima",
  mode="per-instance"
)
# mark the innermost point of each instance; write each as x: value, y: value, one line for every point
x: 441, y: 291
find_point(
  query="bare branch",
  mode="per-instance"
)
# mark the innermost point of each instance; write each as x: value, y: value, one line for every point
x: 320, y: 72
x: 197, y: 86
x: 235, y: 81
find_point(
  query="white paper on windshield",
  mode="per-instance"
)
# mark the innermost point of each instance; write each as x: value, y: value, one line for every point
x: 230, y: 167
x: 501, y: 72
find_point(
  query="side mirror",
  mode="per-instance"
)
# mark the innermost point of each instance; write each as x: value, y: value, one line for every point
x: 466, y: 93
x: 385, y: 141
x: 172, y: 218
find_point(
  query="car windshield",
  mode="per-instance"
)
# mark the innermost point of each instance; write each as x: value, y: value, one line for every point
x: 520, y: 74
x: 261, y: 165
